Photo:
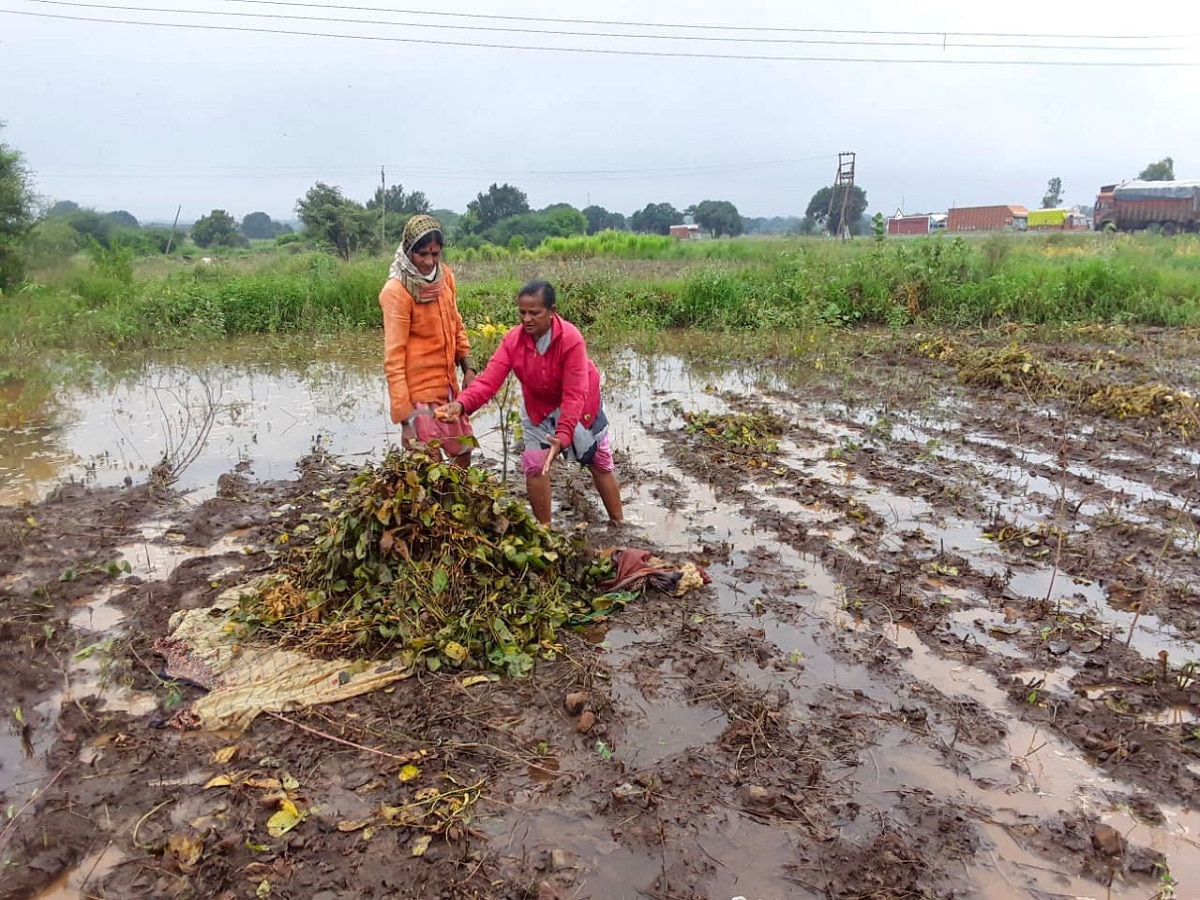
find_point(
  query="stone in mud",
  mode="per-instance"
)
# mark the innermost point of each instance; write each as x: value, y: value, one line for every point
x: 561, y: 860
x: 587, y: 721
x: 759, y: 797
x: 625, y: 792
x: 1108, y: 840
x: 575, y: 702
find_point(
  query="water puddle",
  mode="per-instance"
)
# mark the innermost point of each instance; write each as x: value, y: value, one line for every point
x: 74, y: 885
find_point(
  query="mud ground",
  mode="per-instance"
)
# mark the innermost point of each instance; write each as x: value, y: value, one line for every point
x: 949, y: 651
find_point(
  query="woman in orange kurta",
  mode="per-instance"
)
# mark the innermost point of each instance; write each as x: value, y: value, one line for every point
x: 425, y: 342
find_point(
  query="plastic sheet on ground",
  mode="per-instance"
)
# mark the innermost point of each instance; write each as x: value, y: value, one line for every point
x: 245, y: 678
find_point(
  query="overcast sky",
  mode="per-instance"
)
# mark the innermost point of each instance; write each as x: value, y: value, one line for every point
x: 121, y: 116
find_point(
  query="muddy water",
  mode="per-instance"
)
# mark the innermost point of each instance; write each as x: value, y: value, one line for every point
x: 266, y: 406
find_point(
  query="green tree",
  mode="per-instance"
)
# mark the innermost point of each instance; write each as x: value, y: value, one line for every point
x: 818, y: 209
x: 260, y: 226
x: 16, y: 214
x: 343, y: 224
x: 399, y: 201
x: 217, y: 229
x: 655, y: 218
x: 719, y: 217
x: 122, y: 219
x: 1163, y: 170
x: 62, y: 208
x: 559, y: 220
x: 1054, y: 193
x: 499, y: 202
x: 600, y: 219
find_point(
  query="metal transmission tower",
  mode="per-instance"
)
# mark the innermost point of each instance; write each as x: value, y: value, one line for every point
x: 843, y: 185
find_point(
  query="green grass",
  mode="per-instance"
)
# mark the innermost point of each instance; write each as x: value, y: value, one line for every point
x: 617, y: 284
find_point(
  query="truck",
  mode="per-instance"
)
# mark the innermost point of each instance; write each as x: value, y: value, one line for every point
x: 988, y: 218
x: 1057, y: 220
x: 1166, y: 206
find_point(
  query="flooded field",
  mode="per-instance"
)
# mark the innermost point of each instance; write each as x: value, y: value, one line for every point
x: 949, y: 648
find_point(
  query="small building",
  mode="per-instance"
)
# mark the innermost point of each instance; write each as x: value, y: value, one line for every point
x: 988, y: 218
x: 916, y: 223
x: 686, y: 232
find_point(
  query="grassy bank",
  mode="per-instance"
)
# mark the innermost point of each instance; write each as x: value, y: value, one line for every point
x: 614, y: 284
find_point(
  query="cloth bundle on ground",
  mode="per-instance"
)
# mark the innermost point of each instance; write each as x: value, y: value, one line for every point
x: 244, y: 679
x: 638, y: 568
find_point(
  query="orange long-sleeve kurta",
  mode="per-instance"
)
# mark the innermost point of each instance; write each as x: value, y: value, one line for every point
x: 422, y: 342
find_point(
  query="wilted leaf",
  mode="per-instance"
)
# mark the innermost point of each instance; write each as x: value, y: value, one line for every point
x: 264, y: 784
x: 409, y: 772
x: 287, y: 818
x: 429, y: 793
x: 353, y: 825
x: 472, y: 680
x: 263, y: 890
x: 421, y: 844
x: 290, y: 783
x: 225, y: 754
x: 219, y: 781
x: 186, y: 850
x: 455, y: 652
x: 257, y: 848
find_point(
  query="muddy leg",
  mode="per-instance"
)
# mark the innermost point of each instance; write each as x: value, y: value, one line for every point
x: 538, y: 489
x: 610, y: 493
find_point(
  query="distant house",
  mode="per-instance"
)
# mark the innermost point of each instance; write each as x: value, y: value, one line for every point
x: 988, y: 218
x: 917, y: 223
x: 687, y: 230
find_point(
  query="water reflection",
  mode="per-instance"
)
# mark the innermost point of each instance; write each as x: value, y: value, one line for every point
x: 212, y: 407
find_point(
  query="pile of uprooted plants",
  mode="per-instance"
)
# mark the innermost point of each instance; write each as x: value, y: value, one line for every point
x: 425, y: 560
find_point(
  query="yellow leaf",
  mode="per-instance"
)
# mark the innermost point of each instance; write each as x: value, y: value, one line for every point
x: 290, y: 783
x: 285, y: 820
x: 186, y: 850
x: 264, y: 784
x: 409, y: 772
x: 472, y: 680
x: 263, y: 890
x: 31, y: 521
x: 455, y: 652
x: 219, y: 781
x: 390, y: 812
x: 225, y: 754
x: 421, y: 844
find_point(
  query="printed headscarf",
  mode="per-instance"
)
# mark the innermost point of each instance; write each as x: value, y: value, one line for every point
x: 422, y: 289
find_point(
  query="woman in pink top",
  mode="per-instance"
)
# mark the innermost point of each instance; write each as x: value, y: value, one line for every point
x: 560, y: 386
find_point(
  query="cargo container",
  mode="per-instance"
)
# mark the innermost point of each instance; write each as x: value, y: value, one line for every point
x: 1057, y: 220
x: 988, y: 218
x: 1169, y: 206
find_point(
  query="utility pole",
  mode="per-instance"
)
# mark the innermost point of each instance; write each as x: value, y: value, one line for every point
x: 171, y: 239
x: 844, y: 181
x: 382, y: 211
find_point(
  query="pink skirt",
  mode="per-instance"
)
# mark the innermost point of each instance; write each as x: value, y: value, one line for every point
x: 446, y: 434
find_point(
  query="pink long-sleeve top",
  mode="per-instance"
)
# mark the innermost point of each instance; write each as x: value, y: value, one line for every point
x: 563, y: 378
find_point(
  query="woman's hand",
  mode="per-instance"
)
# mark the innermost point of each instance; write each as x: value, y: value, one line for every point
x: 555, y: 450
x: 448, y: 412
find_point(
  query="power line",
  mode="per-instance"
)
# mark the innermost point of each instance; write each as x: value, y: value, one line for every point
x: 608, y: 51
x: 944, y: 42
x: 151, y: 170
x: 711, y: 27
